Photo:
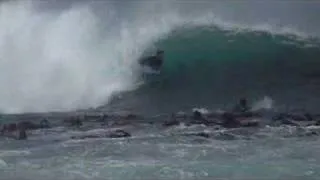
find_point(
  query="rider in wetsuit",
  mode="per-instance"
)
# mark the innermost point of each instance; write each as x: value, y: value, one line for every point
x: 242, y: 107
x: 155, y: 62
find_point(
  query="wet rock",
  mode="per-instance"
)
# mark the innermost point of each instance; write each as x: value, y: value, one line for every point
x: 103, y: 118
x: 302, y: 132
x: 22, y: 134
x: 74, y: 121
x: 117, y: 123
x: 77, y: 122
x: 197, y: 115
x: 250, y: 123
x: 119, y: 134
x: 202, y: 134
x: 312, y: 133
x: 22, y: 129
x: 295, y: 120
x: 199, y: 134
x: 294, y: 117
x: 90, y: 136
x: 308, y: 117
x: 229, y: 121
x: 27, y: 125
x: 11, y: 127
x: 3, y: 129
x: 198, y: 118
x: 171, y: 123
x: 289, y: 122
x: 279, y: 117
x: 91, y: 116
x: 114, y: 134
x: 131, y: 116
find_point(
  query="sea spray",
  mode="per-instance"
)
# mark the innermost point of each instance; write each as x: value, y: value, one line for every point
x: 265, y: 103
x: 65, y: 60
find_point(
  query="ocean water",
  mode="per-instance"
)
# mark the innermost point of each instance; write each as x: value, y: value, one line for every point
x: 157, y: 153
x: 71, y: 55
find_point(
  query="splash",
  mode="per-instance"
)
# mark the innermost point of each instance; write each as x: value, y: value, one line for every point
x: 65, y: 60
x: 265, y: 103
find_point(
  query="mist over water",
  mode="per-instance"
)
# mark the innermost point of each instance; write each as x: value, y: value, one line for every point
x: 70, y: 55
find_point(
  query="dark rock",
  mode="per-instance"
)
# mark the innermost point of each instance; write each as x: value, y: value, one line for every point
x: 172, y: 122
x: 3, y: 129
x: 230, y: 121
x: 279, y: 117
x: 90, y: 136
x: 202, y: 134
x: 199, y: 134
x: 308, y: 117
x: 197, y: 115
x: 27, y: 125
x: 22, y: 134
x: 11, y: 127
x: 115, y: 134
x: 289, y: 122
x: 312, y: 133
x: 103, y: 118
x: 119, y: 134
x: 131, y: 116
x: 198, y: 118
x: 250, y: 124
x: 73, y: 121
x: 295, y: 117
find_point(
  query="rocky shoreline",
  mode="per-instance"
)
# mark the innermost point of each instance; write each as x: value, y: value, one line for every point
x: 17, y: 126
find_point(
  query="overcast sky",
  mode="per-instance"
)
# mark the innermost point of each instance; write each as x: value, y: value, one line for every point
x: 301, y: 14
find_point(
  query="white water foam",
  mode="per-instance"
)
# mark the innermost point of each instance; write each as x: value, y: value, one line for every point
x: 3, y: 164
x: 63, y: 61
x: 265, y: 103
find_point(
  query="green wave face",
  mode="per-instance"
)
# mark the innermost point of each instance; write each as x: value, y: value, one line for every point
x: 202, y: 55
x: 207, y: 66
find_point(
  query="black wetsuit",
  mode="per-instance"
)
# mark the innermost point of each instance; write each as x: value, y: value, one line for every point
x: 154, y: 62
